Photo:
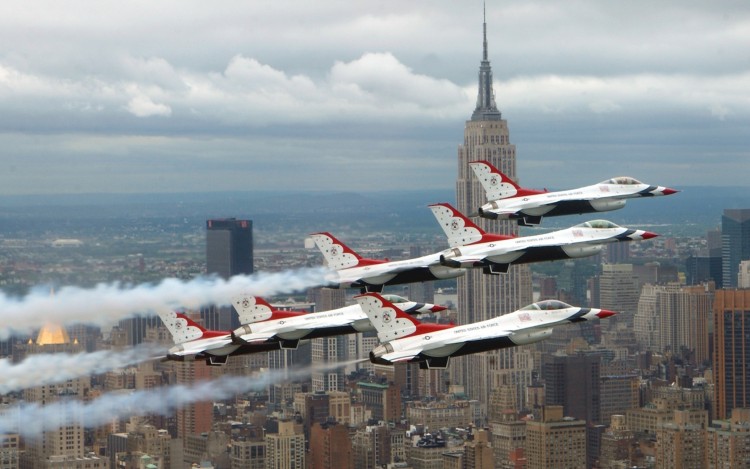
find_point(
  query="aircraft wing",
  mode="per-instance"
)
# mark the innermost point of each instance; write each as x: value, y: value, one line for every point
x: 342, y: 320
x: 402, y: 355
x: 258, y: 337
x: 478, y: 335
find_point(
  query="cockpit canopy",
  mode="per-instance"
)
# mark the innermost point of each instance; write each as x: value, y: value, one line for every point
x: 395, y: 299
x: 623, y: 181
x: 546, y: 305
x: 597, y: 224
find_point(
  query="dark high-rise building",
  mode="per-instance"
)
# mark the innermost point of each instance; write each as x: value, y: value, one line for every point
x: 735, y: 243
x: 229, y: 252
x: 700, y: 269
x: 229, y: 247
x: 482, y: 296
x: 731, y: 351
x: 573, y: 382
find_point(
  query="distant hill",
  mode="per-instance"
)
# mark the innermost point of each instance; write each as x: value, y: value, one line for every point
x: 692, y: 211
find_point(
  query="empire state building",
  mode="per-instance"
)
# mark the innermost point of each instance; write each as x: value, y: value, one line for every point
x: 482, y: 296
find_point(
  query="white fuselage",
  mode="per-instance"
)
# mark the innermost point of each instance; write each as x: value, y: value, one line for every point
x: 600, y: 197
x: 520, y: 327
x: 418, y: 269
x: 571, y: 242
x: 336, y: 321
x: 219, y: 345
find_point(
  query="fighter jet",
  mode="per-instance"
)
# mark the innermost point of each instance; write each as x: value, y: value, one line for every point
x: 355, y: 271
x: 405, y: 339
x: 472, y: 247
x: 289, y: 331
x: 194, y: 342
x: 510, y: 201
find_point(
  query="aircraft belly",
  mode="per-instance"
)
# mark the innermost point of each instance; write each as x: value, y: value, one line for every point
x: 537, y: 211
x: 225, y: 350
x: 484, y: 345
x: 442, y: 351
x: 539, y: 254
x: 419, y: 274
x: 381, y: 279
x: 507, y: 258
x: 317, y: 332
x: 571, y: 207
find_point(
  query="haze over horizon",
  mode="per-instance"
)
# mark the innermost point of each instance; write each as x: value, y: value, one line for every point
x: 187, y: 97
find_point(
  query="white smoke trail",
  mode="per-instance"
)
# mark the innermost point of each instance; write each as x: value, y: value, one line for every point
x: 106, y: 304
x: 31, y: 420
x: 52, y: 368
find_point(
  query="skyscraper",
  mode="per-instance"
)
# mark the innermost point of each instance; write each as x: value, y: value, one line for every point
x: 731, y: 351
x: 735, y: 243
x: 229, y: 251
x: 574, y: 382
x: 482, y: 296
x: 229, y: 247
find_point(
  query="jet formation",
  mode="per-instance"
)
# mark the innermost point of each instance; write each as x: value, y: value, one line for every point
x: 265, y: 328
x: 403, y: 338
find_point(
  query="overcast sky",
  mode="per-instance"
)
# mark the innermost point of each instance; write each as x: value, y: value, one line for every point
x: 173, y: 96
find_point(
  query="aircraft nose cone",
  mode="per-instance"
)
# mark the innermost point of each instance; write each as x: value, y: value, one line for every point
x: 648, y: 235
x: 605, y: 313
x: 438, y: 308
x: 668, y: 191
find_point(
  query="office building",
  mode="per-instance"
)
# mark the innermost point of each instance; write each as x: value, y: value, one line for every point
x: 229, y: 252
x: 619, y: 291
x: 681, y: 443
x: 372, y: 447
x: 330, y: 447
x: 731, y: 360
x: 197, y: 417
x: 735, y: 243
x: 478, y: 451
x: 556, y: 441
x: 728, y: 441
x: 481, y: 296
x: 619, y: 393
x: 286, y: 449
x: 573, y: 382
x: 616, y: 443
x: 509, y: 442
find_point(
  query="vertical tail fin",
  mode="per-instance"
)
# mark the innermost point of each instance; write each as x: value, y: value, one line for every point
x: 496, y: 184
x: 337, y: 254
x: 390, y: 321
x: 182, y: 328
x: 457, y: 227
x: 252, y: 309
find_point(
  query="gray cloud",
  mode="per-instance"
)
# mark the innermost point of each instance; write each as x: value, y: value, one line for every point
x: 155, y: 93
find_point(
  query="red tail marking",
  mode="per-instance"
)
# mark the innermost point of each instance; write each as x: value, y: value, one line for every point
x: 206, y: 332
x: 361, y: 261
x: 522, y: 192
x: 422, y: 327
x: 275, y: 313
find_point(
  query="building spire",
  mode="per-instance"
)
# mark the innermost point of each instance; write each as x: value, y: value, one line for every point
x: 484, y: 25
x: 486, y: 109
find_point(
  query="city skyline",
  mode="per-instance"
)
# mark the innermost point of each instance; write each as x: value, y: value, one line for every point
x: 166, y: 98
